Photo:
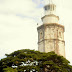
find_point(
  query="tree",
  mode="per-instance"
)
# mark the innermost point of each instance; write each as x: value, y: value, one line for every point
x: 29, y: 60
x: 9, y: 69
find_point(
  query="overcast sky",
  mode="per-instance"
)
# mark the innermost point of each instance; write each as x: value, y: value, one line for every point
x: 18, y: 24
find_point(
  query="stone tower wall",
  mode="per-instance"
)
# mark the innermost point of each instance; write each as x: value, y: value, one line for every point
x: 51, y: 38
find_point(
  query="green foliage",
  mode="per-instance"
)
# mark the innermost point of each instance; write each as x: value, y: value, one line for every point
x: 9, y: 69
x: 49, y: 62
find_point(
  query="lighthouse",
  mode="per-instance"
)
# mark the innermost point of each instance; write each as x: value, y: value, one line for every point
x: 51, y: 33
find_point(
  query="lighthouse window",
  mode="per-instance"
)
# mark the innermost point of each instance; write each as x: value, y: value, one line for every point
x: 46, y: 8
x: 60, y: 34
x: 53, y: 7
x: 41, y: 33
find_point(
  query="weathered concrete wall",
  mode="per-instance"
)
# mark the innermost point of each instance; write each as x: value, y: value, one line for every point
x: 40, y: 34
x: 41, y: 46
x: 61, y: 48
x: 51, y: 38
x: 49, y: 45
x: 54, y: 32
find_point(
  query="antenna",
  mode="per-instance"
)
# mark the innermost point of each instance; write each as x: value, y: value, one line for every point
x: 50, y: 2
x: 51, y: 5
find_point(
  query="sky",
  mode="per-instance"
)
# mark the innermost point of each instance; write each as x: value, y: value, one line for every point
x: 18, y: 24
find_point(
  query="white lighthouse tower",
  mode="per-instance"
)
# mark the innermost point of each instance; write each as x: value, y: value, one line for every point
x: 51, y: 33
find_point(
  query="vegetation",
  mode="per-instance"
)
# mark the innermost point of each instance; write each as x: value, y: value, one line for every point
x: 29, y: 60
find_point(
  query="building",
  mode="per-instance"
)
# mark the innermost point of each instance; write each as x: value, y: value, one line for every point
x: 51, y: 33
